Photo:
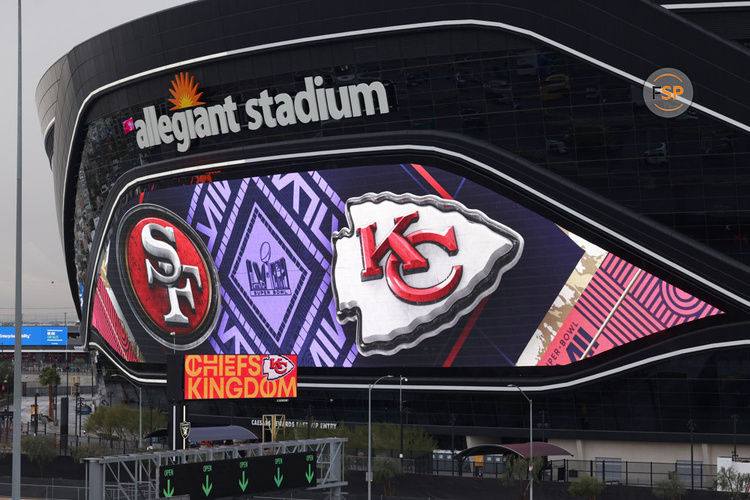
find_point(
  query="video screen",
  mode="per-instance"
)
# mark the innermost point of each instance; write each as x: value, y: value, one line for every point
x: 35, y: 335
x: 376, y: 266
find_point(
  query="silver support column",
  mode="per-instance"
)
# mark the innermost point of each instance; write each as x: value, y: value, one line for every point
x: 531, y: 441
x: 369, y: 436
x: 16, y: 474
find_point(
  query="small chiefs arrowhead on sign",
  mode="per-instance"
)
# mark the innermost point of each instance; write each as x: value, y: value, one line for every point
x: 409, y: 267
x: 276, y: 366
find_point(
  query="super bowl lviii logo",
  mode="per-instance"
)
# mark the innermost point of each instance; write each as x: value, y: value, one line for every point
x: 168, y: 276
x: 409, y: 267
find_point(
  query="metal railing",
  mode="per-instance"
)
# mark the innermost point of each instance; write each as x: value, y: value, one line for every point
x: 634, y: 473
x: 102, y: 445
x: 56, y: 491
x: 136, y: 476
x: 612, y: 472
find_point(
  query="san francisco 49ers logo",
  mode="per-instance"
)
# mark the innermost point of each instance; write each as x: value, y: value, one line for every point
x: 168, y: 276
x: 409, y: 267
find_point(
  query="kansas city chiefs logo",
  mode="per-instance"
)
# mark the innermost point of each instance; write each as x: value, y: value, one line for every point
x: 276, y: 366
x: 409, y: 267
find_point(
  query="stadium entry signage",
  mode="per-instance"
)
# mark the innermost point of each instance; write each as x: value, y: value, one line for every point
x: 240, y: 376
x: 314, y: 103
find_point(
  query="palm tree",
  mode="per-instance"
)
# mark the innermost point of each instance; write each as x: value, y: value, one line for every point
x: 50, y: 377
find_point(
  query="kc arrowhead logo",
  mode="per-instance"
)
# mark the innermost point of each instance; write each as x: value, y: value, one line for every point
x: 408, y: 267
x: 276, y: 366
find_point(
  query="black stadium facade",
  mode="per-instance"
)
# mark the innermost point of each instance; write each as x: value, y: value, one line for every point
x: 469, y: 195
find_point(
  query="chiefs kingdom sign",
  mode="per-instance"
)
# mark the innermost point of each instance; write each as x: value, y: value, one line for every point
x: 240, y: 376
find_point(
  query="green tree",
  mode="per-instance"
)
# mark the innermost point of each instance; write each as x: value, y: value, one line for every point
x: 104, y: 423
x: 50, y: 377
x: 671, y: 488
x: 384, y: 469
x: 121, y: 421
x: 586, y: 487
x: 40, y: 449
x: 88, y: 450
x: 517, y: 470
x: 733, y: 482
x: 386, y: 437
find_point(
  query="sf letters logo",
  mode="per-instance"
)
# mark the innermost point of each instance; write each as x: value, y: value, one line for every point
x: 404, y: 257
x: 169, y: 272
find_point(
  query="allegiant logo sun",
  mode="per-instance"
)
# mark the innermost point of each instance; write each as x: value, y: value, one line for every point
x: 313, y: 104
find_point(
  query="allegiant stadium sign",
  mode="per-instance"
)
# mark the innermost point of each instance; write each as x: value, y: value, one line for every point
x: 313, y: 104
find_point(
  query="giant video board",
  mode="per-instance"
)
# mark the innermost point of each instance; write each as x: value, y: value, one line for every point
x: 35, y: 335
x: 367, y: 266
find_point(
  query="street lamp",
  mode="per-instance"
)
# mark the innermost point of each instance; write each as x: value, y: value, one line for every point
x: 691, y: 428
x: 401, y: 380
x: 369, y: 435
x: 531, y: 441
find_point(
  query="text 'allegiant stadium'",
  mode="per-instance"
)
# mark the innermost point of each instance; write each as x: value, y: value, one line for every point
x: 313, y: 104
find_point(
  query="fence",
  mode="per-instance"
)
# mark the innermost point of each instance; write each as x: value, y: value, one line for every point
x: 103, y: 445
x: 36, y: 488
x: 613, y: 471
x: 410, y: 464
x: 609, y: 471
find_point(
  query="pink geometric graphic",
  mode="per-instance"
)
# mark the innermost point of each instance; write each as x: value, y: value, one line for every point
x: 651, y: 305
x: 107, y: 323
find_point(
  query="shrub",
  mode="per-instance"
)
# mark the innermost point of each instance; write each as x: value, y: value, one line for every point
x: 384, y: 469
x: 121, y: 421
x: 40, y: 449
x: 88, y: 450
x: 671, y: 488
x: 586, y: 487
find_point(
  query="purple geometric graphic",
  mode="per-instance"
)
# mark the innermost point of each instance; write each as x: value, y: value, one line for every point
x: 268, y: 274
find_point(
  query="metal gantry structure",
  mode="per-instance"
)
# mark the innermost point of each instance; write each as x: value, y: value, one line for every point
x: 136, y: 476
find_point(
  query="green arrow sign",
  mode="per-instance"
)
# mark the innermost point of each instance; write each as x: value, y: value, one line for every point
x: 243, y: 482
x: 278, y: 478
x: 310, y: 474
x: 207, y: 487
x: 239, y: 476
x: 169, y: 490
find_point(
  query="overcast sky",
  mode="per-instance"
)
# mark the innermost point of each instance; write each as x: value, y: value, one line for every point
x: 50, y: 29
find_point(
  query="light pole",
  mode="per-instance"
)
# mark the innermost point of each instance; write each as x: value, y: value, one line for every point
x: 369, y: 436
x: 531, y: 441
x: 67, y: 361
x: 691, y: 428
x: 401, y: 380
x: 453, y: 446
x: 17, y: 359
